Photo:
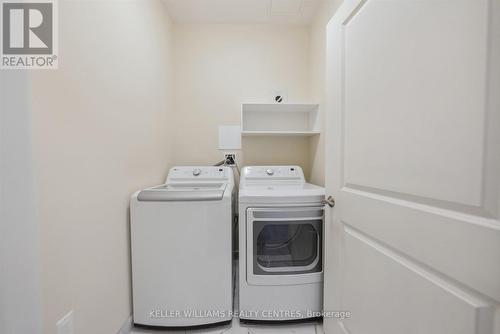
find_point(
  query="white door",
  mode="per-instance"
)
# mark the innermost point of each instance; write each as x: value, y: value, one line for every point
x: 413, y: 160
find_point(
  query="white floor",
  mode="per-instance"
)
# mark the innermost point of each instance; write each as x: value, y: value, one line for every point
x: 238, y: 328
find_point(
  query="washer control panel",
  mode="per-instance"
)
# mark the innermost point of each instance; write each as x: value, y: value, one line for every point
x: 198, y: 172
x: 273, y: 172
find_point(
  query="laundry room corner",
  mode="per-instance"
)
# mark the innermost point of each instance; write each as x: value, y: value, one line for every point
x: 219, y: 66
x: 317, y: 75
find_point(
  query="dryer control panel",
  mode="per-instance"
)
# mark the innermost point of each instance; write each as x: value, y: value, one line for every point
x: 273, y: 173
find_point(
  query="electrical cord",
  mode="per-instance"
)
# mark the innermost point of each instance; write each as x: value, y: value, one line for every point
x: 229, y: 162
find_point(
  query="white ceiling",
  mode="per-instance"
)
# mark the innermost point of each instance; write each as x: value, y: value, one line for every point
x: 243, y: 11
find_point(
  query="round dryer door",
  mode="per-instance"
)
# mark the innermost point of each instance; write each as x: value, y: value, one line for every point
x: 285, y: 241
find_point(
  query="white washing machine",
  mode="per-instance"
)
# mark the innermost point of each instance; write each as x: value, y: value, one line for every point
x: 181, y: 249
x: 281, y: 244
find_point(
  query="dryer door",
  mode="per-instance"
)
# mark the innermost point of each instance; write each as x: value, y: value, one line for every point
x: 284, y: 245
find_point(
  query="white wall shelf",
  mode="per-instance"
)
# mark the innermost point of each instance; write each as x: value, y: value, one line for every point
x: 280, y: 133
x: 279, y: 119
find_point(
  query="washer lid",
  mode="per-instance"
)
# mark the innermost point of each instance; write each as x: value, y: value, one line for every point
x: 183, y: 192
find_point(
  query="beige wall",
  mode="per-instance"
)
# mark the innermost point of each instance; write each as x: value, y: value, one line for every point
x: 101, y: 130
x: 20, y: 309
x: 317, y: 79
x: 219, y: 66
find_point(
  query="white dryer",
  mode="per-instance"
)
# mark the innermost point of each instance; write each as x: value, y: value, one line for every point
x: 181, y: 249
x: 281, y: 244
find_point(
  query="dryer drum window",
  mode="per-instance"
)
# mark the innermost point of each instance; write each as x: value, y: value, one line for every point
x: 287, y: 246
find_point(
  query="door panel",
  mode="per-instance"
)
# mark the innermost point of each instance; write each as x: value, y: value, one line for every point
x: 434, y: 90
x: 439, y: 238
x: 413, y: 160
x: 381, y: 284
